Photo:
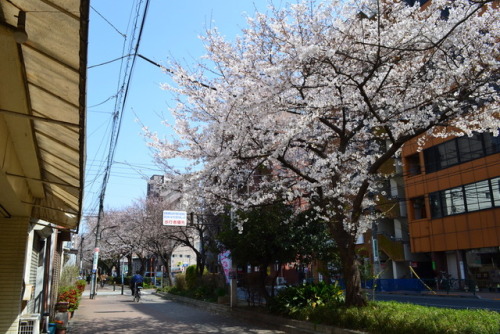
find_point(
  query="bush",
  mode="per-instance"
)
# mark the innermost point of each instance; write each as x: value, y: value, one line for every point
x: 69, y: 276
x: 395, y: 318
x: 166, y: 288
x: 180, y: 282
x: 296, y: 300
x: 191, y: 277
x: 208, y: 287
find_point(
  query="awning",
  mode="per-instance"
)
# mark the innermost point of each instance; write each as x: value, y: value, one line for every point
x: 42, y: 107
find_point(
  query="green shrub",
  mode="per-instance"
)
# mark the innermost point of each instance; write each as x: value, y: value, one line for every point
x: 395, y: 318
x: 208, y: 287
x: 191, y: 277
x: 165, y: 288
x: 299, y: 300
x: 69, y: 276
x: 180, y: 282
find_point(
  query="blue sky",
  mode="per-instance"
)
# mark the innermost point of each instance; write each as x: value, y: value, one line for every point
x: 171, y: 30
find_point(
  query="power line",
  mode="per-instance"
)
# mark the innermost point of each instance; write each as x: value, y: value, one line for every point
x: 111, y: 24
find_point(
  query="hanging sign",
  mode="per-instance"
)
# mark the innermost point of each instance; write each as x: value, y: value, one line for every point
x: 175, y: 218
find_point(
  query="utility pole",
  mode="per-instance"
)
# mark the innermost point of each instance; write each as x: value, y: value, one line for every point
x: 93, y: 281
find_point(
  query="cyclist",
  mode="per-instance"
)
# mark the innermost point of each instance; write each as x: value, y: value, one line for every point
x: 136, y: 280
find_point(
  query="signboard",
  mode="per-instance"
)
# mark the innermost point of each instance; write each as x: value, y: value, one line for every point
x: 96, y: 259
x: 174, y: 218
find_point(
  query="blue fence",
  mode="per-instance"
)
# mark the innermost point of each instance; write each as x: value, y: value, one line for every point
x: 394, y: 285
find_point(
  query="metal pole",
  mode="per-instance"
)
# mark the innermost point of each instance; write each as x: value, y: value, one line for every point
x: 96, y: 252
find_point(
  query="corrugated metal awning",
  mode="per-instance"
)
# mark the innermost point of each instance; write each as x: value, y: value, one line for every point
x: 48, y: 128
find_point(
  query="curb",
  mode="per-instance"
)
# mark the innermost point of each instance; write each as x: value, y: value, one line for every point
x: 289, y: 326
x: 428, y: 294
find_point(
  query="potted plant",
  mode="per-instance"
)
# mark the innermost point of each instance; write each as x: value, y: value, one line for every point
x: 62, y: 306
x: 71, y: 296
x: 61, y: 327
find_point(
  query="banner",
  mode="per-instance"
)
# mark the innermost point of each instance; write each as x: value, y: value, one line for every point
x: 226, y: 263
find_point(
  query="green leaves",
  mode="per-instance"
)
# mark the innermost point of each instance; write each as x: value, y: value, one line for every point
x: 297, y: 300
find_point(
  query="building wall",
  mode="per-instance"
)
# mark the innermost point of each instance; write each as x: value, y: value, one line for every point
x: 13, y: 241
x: 466, y: 230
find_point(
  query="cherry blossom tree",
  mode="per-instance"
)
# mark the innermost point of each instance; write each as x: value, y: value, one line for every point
x: 322, y: 94
x: 159, y: 239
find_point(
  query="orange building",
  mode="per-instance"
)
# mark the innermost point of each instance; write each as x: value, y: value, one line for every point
x: 452, y: 189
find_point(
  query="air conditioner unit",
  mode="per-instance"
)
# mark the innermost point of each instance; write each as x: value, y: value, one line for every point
x: 29, y: 324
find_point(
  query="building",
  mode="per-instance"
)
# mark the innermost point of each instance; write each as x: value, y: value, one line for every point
x: 154, y: 186
x: 386, y: 246
x: 43, y: 62
x: 453, y: 197
x: 182, y: 256
x: 436, y: 242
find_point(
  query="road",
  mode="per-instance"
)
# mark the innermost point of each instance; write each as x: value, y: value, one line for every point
x: 443, y: 301
x: 115, y: 313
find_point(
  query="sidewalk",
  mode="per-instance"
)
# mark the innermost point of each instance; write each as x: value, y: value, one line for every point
x: 107, y: 290
x: 112, y: 313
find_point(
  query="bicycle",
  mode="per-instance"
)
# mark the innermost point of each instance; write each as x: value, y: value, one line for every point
x: 137, y: 292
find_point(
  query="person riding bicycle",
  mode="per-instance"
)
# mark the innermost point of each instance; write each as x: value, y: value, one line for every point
x: 136, y: 280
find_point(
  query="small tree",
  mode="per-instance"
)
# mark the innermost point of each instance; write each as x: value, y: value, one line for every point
x: 272, y: 235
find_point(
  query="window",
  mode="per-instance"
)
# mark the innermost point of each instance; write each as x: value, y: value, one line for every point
x: 478, y: 196
x: 468, y: 198
x: 470, y: 148
x: 460, y: 150
x: 413, y: 163
x: 448, y: 154
x: 495, y: 189
x: 418, y: 205
x: 436, y: 206
x: 453, y: 201
x: 431, y: 156
x: 492, y: 144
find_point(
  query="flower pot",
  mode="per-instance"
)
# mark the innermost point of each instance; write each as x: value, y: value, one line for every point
x: 62, y: 306
x: 52, y: 328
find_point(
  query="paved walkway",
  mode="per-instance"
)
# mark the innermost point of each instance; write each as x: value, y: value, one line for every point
x: 110, y: 312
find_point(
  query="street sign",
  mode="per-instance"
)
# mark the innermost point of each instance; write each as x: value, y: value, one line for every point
x: 175, y: 218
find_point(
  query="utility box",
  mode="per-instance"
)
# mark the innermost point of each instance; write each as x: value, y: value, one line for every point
x: 29, y: 324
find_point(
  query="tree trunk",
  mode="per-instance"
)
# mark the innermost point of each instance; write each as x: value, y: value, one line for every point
x: 354, y: 295
x: 165, y: 257
x: 263, y: 278
x: 130, y: 265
